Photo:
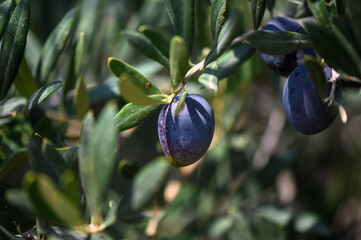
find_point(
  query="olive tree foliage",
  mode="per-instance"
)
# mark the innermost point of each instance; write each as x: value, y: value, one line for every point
x: 79, y: 153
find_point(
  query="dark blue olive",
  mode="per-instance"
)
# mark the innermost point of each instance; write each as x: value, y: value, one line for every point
x: 186, y: 137
x: 304, y: 108
x: 284, y: 64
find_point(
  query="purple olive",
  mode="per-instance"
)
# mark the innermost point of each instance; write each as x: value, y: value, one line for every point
x: 186, y: 137
x: 304, y: 108
x: 284, y: 64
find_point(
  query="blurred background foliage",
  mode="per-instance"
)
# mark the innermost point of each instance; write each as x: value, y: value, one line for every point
x: 259, y: 180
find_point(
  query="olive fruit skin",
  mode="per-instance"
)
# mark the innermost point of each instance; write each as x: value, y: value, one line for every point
x: 284, y: 64
x: 186, y: 137
x: 304, y: 108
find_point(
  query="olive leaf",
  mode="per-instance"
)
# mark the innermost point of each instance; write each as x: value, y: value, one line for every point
x: 217, y: 16
x: 5, y: 9
x: 316, y: 74
x: 178, y: 60
x: 209, y: 77
x: 13, y: 45
x: 258, y: 9
x: 159, y: 38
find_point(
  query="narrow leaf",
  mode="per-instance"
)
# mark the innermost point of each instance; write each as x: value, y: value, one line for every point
x: 79, y: 53
x: 24, y: 81
x: 55, y: 45
x: 342, y: 57
x: 131, y: 115
x: 132, y: 93
x: 217, y: 16
x: 178, y: 60
x: 258, y: 9
x: 159, y: 38
x: 180, y: 104
x: 49, y: 201
x: 316, y: 74
x: 5, y: 9
x: 118, y: 67
x: 148, y: 182
x: 229, y: 31
x: 145, y: 46
x: 278, y: 42
x: 11, y: 105
x: 181, y: 14
x: 41, y: 94
x: 81, y: 98
x: 13, y: 45
x: 97, y: 159
x: 232, y: 59
x: 209, y: 78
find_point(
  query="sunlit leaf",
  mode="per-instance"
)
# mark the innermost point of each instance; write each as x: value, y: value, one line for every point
x: 132, y: 93
x: 145, y: 46
x: 79, y: 53
x: 41, y: 94
x: 13, y: 45
x: 217, y: 16
x: 228, y: 32
x: 209, y: 77
x: 118, y: 67
x: 180, y: 104
x: 178, y: 60
x: 278, y: 42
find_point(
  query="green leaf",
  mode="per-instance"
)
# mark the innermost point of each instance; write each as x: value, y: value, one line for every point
x: 342, y: 57
x: 97, y: 159
x: 45, y: 159
x: 79, y: 53
x: 5, y: 9
x: 81, y: 98
x: 49, y: 201
x: 217, y: 16
x: 148, y: 182
x: 131, y: 115
x: 278, y: 42
x: 11, y: 105
x: 229, y: 31
x: 178, y: 60
x: 118, y: 67
x: 13, y: 45
x: 353, y: 11
x: 181, y: 14
x: 70, y: 185
x: 24, y: 81
x: 19, y: 199
x: 209, y: 78
x: 258, y: 9
x: 316, y: 74
x: 12, y: 162
x: 55, y: 45
x: 132, y: 93
x: 180, y: 104
x: 232, y: 59
x: 320, y: 13
x: 145, y: 46
x: 41, y: 94
x: 159, y: 38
